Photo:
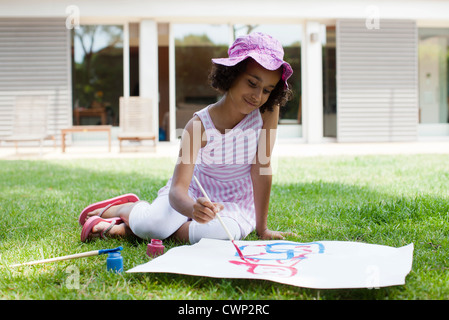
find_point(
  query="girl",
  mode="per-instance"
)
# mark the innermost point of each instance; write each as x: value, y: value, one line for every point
x: 227, y: 146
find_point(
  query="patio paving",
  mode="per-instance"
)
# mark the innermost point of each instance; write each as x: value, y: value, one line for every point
x: 283, y: 148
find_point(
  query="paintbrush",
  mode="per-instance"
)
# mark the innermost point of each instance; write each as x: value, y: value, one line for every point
x: 72, y: 256
x: 221, y: 220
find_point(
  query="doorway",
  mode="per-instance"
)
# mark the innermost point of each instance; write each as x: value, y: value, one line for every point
x: 97, y: 74
x: 329, y: 82
x: 163, y: 72
x: 433, y: 56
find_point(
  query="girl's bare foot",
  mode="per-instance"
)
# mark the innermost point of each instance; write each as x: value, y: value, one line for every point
x: 111, y: 212
x: 118, y: 230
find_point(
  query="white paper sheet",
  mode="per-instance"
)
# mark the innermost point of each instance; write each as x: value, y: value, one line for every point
x: 320, y: 265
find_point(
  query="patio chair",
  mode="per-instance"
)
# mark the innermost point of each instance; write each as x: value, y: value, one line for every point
x: 29, y: 121
x: 136, y: 120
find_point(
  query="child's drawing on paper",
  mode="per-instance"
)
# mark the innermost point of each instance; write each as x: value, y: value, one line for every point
x: 318, y: 264
x: 276, y: 259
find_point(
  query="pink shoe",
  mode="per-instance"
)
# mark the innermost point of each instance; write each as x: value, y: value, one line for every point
x: 92, y: 222
x: 106, y: 204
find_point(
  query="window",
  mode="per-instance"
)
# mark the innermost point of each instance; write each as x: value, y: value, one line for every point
x: 195, y: 46
x: 433, y: 57
x: 290, y: 38
x: 329, y: 81
x: 97, y: 71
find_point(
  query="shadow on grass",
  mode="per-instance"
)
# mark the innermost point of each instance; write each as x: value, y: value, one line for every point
x: 41, y: 201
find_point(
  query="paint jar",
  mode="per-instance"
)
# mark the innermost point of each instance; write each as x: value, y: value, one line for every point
x: 155, y: 248
x: 114, y: 262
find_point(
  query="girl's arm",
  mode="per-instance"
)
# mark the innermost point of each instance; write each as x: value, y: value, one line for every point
x: 191, y: 141
x: 261, y: 175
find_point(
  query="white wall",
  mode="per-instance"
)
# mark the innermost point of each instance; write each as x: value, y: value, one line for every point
x: 312, y: 83
x: 148, y: 67
x: 231, y: 10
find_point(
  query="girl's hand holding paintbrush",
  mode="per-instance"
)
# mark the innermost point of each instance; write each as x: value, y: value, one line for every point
x: 205, y: 210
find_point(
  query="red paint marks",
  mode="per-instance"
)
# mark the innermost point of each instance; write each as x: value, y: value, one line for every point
x: 255, y: 267
x: 238, y: 251
x: 276, y: 259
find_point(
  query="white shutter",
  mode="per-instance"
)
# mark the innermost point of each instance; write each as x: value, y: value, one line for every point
x: 377, y: 81
x: 35, y: 60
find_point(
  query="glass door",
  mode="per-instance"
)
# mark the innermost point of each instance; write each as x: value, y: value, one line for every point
x: 433, y: 55
x: 290, y: 37
x: 97, y: 74
x: 329, y: 81
x: 195, y: 46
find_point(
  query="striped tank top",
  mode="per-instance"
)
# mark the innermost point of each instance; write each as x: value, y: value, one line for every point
x: 223, y: 168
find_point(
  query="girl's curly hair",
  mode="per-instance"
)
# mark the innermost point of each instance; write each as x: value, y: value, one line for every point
x: 221, y: 78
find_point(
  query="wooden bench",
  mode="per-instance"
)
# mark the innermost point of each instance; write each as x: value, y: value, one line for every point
x: 106, y: 128
x: 29, y: 121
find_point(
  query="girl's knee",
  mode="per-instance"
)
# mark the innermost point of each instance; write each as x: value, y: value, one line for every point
x: 155, y: 220
x: 125, y: 209
x: 214, y: 230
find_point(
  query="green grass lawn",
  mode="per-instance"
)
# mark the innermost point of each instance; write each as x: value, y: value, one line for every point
x: 388, y: 200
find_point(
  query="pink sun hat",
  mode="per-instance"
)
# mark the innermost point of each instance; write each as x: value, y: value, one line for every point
x: 263, y: 48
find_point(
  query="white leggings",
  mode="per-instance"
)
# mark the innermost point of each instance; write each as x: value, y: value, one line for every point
x: 159, y: 220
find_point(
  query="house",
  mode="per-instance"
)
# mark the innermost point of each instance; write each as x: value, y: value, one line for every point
x: 365, y: 71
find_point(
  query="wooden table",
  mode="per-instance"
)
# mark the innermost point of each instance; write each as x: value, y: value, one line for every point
x: 73, y: 129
